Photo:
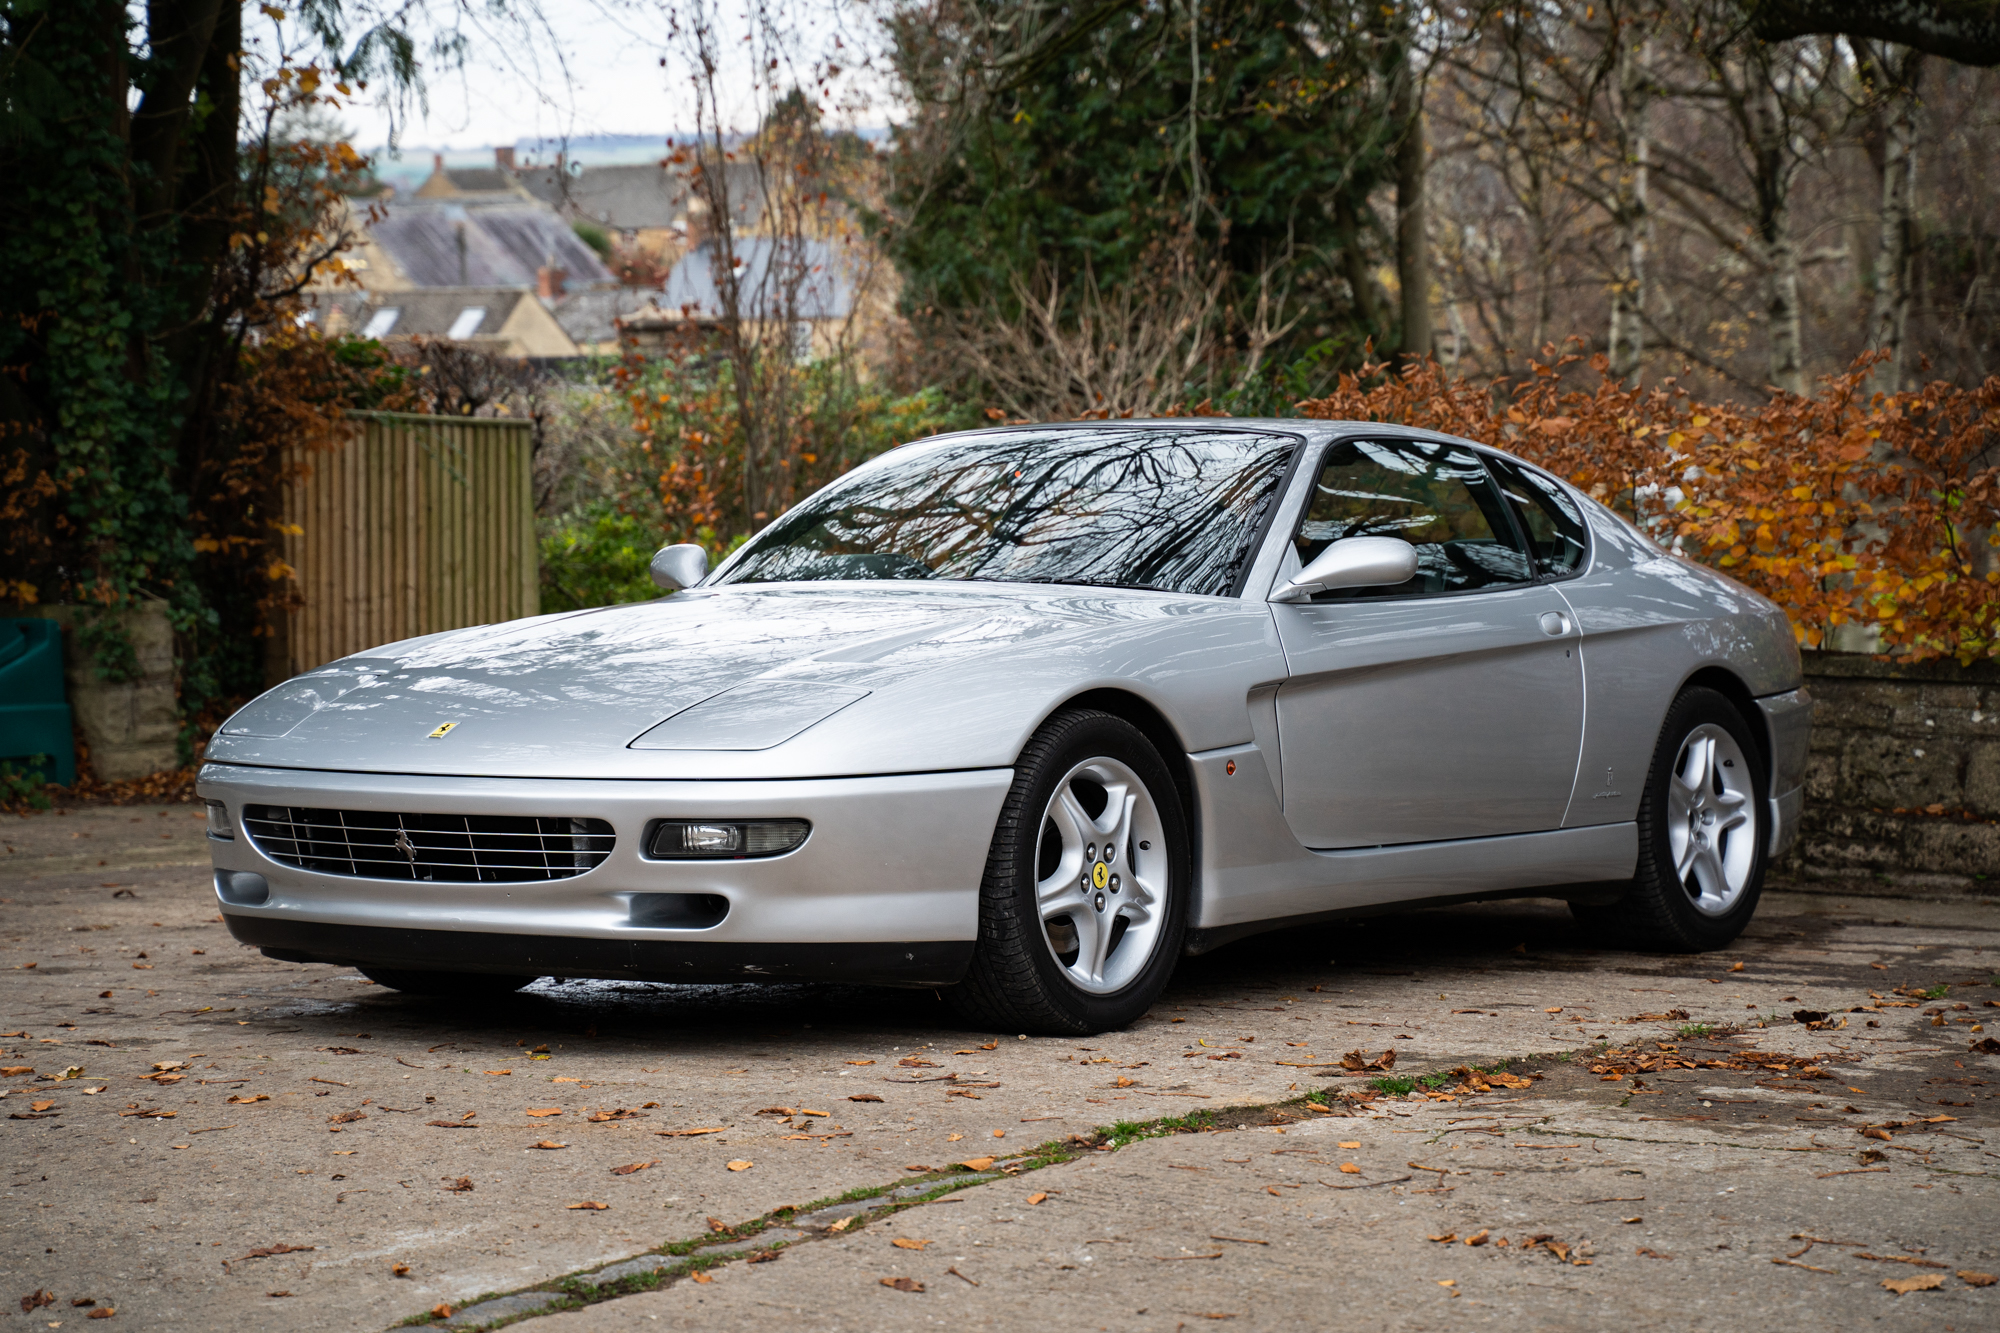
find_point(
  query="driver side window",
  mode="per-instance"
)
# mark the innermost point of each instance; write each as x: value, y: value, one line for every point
x: 1437, y: 497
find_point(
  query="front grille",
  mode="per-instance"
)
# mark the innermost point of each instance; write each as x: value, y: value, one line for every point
x: 485, y: 849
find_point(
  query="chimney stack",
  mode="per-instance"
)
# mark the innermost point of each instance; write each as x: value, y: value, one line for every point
x: 437, y: 161
x: 549, y: 281
x: 503, y: 158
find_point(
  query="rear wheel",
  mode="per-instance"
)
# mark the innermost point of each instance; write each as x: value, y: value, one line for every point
x: 1082, y: 908
x: 451, y: 985
x: 1703, y: 831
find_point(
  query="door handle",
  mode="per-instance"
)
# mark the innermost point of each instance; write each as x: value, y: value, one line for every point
x: 1555, y: 624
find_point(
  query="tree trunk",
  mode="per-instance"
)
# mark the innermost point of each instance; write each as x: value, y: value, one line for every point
x: 1890, y: 310
x: 1354, y: 264
x: 1772, y: 152
x: 1413, y: 272
x: 1629, y: 210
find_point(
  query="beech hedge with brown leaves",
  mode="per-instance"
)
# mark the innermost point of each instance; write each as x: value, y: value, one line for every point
x: 1845, y: 508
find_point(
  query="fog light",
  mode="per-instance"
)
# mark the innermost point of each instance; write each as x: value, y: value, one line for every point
x: 690, y: 839
x: 218, y: 822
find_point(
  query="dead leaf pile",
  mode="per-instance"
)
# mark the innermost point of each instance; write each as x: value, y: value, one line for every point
x: 1357, y: 1062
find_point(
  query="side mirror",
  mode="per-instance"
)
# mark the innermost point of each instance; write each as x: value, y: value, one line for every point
x: 1355, y: 562
x: 677, y: 567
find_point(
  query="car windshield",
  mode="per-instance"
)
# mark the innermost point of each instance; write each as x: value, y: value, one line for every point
x: 1174, y: 510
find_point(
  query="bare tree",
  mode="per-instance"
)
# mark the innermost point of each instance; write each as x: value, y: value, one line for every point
x: 1891, y: 75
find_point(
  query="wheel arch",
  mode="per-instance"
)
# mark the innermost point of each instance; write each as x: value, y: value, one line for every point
x: 1731, y: 687
x: 1153, y: 725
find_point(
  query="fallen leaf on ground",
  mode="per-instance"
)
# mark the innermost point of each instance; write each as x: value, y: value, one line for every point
x: 842, y: 1225
x: 1357, y: 1062
x: 1974, y: 1279
x: 15, y: 1071
x: 1354, y: 1144
x: 620, y: 1114
x: 905, y: 1243
x: 399, y: 1270
x: 497, y: 1073
x: 548, y: 1144
x: 1447, y: 1238
x: 102, y: 1312
x: 861, y: 1062
x: 1903, y: 1286
x: 976, y: 1163
x: 450, y: 1124
x: 632, y: 1167
x: 40, y: 1106
x: 269, y: 1250
x: 442, y: 1310
x: 903, y: 1283
x: 541, y: 1112
x: 344, y: 1118
x: 260, y: 1097
x: 701, y: 1277
x: 740, y: 1165
x: 1349, y: 1169
x: 36, y: 1299
x: 589, y: 1205
x: 689, y: 1133
x: 864, y: 1097
x: 1037, y: 1197
x: 916, y: 1062
x: 459, y: 1186
x: 1478, y: 1237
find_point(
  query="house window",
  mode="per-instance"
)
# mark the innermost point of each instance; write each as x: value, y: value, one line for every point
x: 381, y: 322
x: 468, y: 322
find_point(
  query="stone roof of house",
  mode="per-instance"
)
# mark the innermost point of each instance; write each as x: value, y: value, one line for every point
x: 423, y: 312
x: 453, y: 243
x: 825, y: 282
x: 593, y: 316
x: 478, y: 180
x: 635, y: 198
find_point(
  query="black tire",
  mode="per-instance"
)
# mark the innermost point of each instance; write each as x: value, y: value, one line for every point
x: 446, y: 985
x: 1658, y: 911
x: 1015, y: 982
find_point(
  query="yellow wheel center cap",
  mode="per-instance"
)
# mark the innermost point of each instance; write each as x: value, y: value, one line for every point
x: 1100, y: 875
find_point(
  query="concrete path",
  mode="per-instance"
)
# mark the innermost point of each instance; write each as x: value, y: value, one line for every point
x: 307, y: 1115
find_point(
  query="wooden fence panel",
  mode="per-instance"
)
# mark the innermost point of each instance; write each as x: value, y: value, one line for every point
x: 417, y: 524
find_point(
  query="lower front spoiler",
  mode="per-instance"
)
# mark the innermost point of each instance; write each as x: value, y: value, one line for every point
x: 911, y: 963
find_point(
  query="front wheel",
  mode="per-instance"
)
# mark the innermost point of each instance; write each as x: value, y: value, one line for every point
x: 1703, y: 833
x: 1083, y: 904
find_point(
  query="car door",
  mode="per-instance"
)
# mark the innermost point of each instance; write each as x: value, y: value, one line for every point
x: 1447, y: 707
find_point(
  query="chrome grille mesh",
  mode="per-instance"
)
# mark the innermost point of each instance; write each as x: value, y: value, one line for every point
x: 375, y: 844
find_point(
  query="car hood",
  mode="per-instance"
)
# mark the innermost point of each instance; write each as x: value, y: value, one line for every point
x: 733, y: 682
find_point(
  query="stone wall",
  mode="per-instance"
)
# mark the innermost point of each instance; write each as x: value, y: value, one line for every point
x: 1903, y: 791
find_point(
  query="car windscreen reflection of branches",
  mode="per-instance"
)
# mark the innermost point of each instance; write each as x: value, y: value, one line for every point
x: 1144, y: 510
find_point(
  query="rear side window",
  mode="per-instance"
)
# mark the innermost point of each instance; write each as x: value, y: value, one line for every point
x: 1437, y: 497
x: 1556, y: 533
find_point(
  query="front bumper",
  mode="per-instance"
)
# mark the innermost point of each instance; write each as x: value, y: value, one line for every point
x: 885, y: 889
x: 1788, y: 720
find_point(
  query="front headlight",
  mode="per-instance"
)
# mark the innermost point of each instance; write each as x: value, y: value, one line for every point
x: 725, y: 839
x: 218, y: 822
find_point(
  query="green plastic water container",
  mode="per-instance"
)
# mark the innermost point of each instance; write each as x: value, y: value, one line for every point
x: 34, y: 715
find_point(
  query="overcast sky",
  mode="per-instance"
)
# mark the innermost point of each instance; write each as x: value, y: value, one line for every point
x: 593, y: 67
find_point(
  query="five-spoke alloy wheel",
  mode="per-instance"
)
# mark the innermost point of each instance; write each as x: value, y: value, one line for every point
x: 1703, y: 829
x: 1081, y: 913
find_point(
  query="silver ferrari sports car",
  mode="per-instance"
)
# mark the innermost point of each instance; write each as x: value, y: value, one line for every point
x: 1027, y: 714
